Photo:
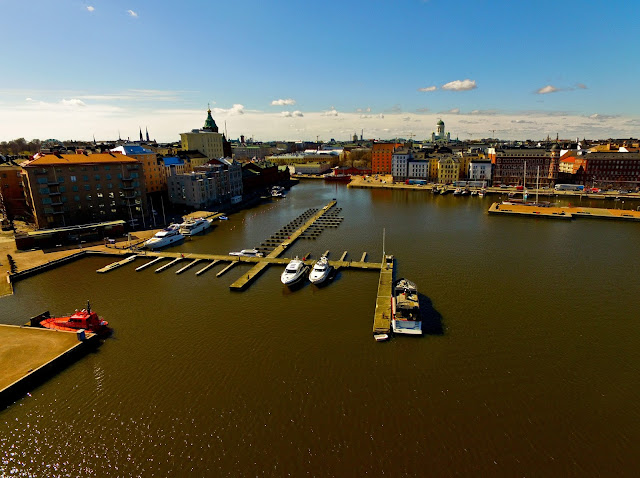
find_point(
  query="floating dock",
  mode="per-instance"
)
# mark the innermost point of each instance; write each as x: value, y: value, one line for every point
x: 382, y: 314
x: 115, y: 265
x: 564, y: 212
x: 29, y: 355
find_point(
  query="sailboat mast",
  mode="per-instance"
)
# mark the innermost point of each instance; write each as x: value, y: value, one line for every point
x: 537, y: 184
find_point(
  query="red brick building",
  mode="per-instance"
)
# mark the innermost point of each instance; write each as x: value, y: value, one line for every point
x: 381, y: 155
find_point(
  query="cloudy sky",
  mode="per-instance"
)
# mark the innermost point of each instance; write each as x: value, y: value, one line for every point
x: 296, y: 70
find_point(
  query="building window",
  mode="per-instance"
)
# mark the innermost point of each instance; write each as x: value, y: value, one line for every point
x: 73, y: 179
x: 87, y: 187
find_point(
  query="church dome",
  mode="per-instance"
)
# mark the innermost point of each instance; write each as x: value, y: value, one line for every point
x: 209, y: 123
x: 440, y: 122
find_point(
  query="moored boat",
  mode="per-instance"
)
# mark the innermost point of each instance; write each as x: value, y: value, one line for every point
x: 457, y: 192
x: 406, y: 308
x: 482, y: 192
x: 247, y: 253
x: 81, y: 319
x: 320, y: 271
x: 165, y: 237
x: 294, y: 271
x: 194, y: 226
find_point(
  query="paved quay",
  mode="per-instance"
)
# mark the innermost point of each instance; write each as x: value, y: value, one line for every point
x: 27, y: 354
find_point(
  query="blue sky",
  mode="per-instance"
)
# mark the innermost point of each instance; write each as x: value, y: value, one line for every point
x: 294, y: 70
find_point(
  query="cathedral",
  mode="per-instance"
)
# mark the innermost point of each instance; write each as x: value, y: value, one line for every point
x: 440, y: 136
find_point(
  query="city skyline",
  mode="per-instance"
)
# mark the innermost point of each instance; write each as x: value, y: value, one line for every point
x: 292, y: 72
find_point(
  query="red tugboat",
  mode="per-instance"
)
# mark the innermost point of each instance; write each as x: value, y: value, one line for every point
x: 81, y: 319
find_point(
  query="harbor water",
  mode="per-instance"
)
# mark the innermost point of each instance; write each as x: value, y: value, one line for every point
x: 528, y: 365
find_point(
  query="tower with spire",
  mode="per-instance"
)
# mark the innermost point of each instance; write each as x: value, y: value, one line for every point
x: 209, y: 124
x: 207, y: 140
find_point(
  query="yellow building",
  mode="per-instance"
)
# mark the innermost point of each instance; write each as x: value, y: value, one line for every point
x: 433, y: 168
x: 448, y: 170
x: 464, y: 160
x: 206, y: 140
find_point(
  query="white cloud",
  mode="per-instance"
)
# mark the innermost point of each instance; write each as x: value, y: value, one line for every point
x: 236, y: 109
x: 132, y: 13
x: 452, y: 111
x: 331, y: 112
x: 73, y: 102
x: 547, y: 89
x: 428, y: 88
x: 599, y: 117
x: 90, y: 8
x: 581, y: 86
x: 292, y: 114
x: 281, y: 102
x: 460, y: 85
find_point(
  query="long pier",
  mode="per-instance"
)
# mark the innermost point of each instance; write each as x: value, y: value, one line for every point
x: 382, y: 314
x: 564, y: 212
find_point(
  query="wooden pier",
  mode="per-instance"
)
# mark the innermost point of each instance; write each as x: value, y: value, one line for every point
x: 115, y: 265
x: 246, y: 280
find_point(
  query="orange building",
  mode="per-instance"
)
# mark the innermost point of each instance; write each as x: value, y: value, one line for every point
x: 155, y: 178
x: 68, y: 189
x: 381, y: 155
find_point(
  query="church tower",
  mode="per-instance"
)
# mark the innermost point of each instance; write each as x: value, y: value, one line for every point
x: 440, y: 132
x: 209, y: 124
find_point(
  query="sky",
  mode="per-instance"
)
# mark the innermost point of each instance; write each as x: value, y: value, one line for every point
x: 291, y: 70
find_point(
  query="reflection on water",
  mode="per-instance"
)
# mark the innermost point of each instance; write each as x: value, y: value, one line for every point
x: 528, y: 365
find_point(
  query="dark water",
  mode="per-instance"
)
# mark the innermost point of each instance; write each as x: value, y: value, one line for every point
x: 530, y: 366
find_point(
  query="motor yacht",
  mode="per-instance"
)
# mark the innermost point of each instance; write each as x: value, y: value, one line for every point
x: 406, y: 308
x: 294, y: 271
x: 247, y: 253
x: 194, y: 226
x: 320, y: 272
x: 165, y: 237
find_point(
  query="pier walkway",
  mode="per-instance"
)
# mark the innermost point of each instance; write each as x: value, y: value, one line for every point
x: 382, y: 314
x: 564, y: 212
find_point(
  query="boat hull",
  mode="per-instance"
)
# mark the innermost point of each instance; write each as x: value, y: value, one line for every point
x: 164, y: 242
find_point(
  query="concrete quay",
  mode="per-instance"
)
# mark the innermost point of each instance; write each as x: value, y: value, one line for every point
x: 29, y: 355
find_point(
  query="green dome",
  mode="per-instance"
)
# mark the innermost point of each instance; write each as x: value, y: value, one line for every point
x: 440, y: 122
x: 210, y: 123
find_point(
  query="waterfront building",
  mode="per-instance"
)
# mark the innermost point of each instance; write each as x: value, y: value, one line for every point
x: 612, y: 169
x: 318, y: 167
x: 448, y: 170
x: 198, y: 190
x: 174, y: 165
x: 433, y: 168
x: 399, y: 163
x: 480, y: 170
x: 381, y: 157
x: 68, y: 189
x: 508, y: 165
x: 207, y: 140
x: 310, y: 156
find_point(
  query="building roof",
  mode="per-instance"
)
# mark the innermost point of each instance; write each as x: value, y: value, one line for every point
x: 128, y: 149
x: 70, y: 159
x: 172, y: 161
x: 209, y: 123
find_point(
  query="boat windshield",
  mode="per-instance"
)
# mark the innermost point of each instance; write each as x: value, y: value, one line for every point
x: 320, y: 268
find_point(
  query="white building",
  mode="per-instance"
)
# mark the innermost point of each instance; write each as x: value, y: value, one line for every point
x: 480, y: 170
x: 404, y: 165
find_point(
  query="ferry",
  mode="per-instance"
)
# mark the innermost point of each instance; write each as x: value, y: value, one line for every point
x: 294, y: 271
x: 81, y: 319
x: 320, y: 272
x: 194, y: 226
x: 167, y: 236
x: 405, y: 308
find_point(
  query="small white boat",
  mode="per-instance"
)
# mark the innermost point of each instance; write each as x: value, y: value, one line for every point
x: 474, y: 192
x: 247, y: 253
x: 482, y: 193
x: 194, y: 226
x: 320, y: 271
x: 169, y: 235
x: 381, y: 337
x: 223, y: 218
x: 457, y: 192
x: 294, y: 271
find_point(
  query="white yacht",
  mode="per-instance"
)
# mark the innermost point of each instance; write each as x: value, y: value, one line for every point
x: 168, y: 235
x: 294, y: 272
x: 194, y: 226
x: 247, y: 253
x: 320, y: 271
x: 406, y: 308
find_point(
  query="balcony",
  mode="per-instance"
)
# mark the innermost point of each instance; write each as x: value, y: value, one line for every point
x: 130, y: 196
x: 59, y: 203
x: 127, y: 178
x: 51, y: 193
x: 127, y: 187
x: 52, y: 183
